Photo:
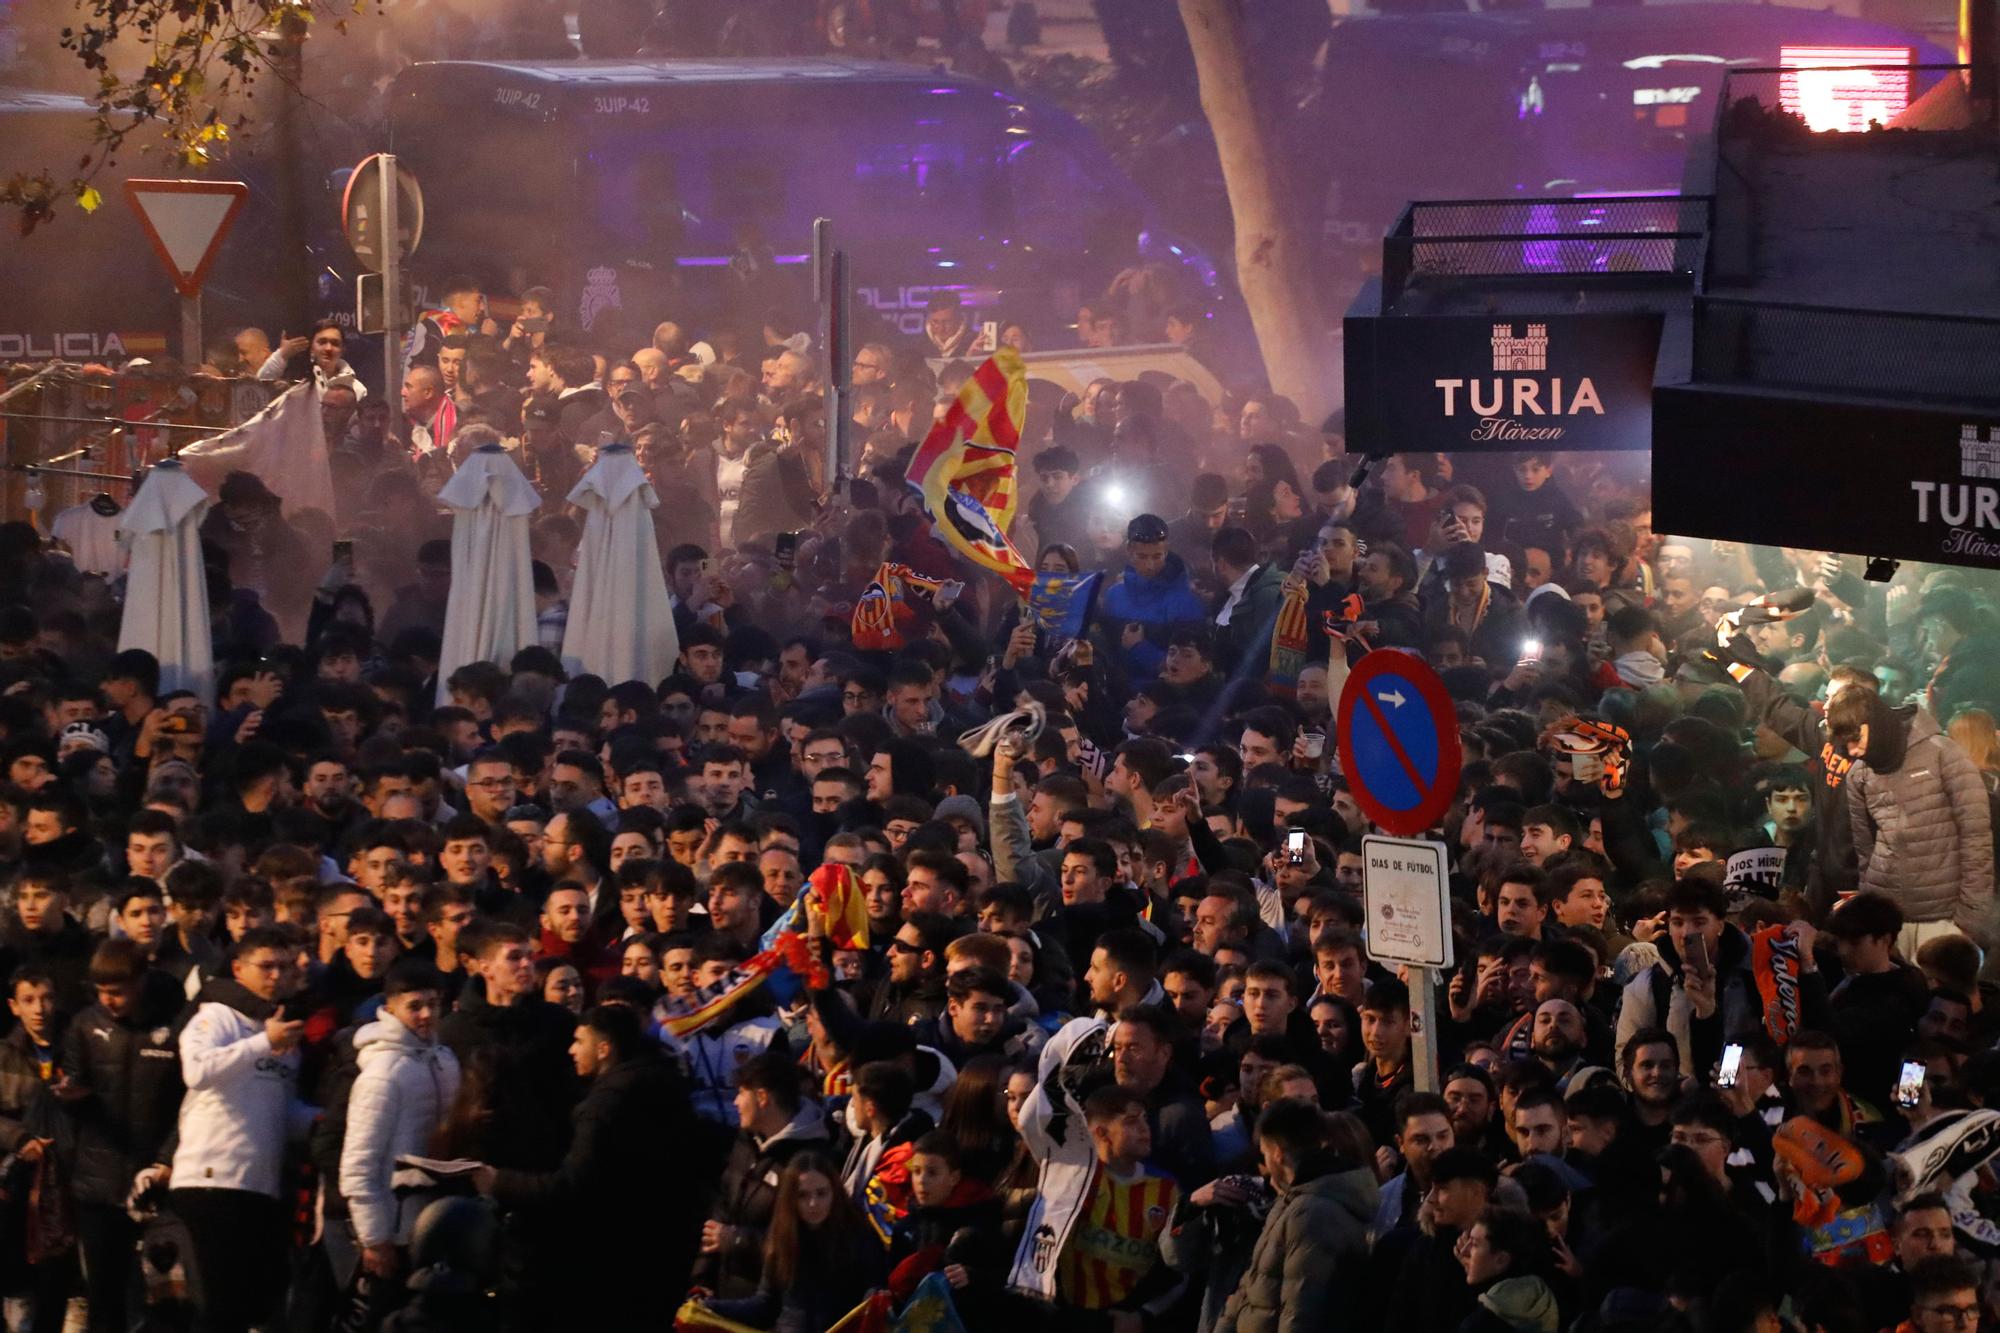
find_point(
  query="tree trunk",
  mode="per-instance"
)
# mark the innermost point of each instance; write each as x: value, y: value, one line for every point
x: 1272, y: 258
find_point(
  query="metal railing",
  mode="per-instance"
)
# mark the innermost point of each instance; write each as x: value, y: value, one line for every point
x: 66, y: 433
x: 1658, y: 236
x: 1867, y: 353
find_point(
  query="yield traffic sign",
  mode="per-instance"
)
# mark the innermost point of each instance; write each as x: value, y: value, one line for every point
x: 186, y: 221
x: 1398, y: 741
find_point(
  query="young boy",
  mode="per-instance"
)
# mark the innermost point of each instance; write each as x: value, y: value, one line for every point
x: 953, y: 1225
x: 1112, y: 1260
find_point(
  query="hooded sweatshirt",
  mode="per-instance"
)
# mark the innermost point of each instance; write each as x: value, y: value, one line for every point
x: 1159, y: 603
x: 1524, y: 1304
x: 242, y: 1098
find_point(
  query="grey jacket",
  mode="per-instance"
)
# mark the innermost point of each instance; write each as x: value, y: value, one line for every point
x: 1310, y: 1243
x: 1923, y: 833
x: 1014, y: 852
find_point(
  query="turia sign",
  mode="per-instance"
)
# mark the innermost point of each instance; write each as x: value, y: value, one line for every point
x: 1455, y: 383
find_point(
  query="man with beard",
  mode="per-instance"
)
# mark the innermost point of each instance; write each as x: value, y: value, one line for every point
x: 1558, y: 1040
x: 329, y: 793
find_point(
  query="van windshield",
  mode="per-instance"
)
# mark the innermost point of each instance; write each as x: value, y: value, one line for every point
x: 688, y: 184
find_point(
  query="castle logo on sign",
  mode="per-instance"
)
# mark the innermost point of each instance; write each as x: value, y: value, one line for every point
x: 1969, y: 513
x: 1516, y: 403
x: 1514, y: 354
x: 1978, y: 455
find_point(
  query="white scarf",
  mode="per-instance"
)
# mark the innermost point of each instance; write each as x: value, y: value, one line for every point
x: 1052, y: 1127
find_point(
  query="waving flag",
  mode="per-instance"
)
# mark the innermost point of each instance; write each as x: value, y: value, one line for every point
x: 833, y: 898
x: 930, y: 1309
x: 1061, y: 603
x: 886, y: 607
x: 964, y: 469
x: 1289, y: 640
x: 694, y: 1317
x: 782, y: 964
x: 834, y: 895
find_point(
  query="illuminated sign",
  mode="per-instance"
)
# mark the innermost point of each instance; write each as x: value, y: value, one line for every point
x: 1824, y: 86
x: 1664, y: 96
x: 1450, y: 382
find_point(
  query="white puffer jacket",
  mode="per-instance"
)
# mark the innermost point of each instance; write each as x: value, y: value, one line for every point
x: 403, y: 1091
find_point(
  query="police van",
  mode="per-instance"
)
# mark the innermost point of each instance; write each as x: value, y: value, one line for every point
x: 646, y: 188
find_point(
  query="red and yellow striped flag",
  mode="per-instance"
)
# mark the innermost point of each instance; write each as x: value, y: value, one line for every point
x: 965, y: 468
x: 834, y: 895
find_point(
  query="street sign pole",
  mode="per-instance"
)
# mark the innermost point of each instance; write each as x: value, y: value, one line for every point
x: 829, y: 269
x: 392, y: 349
x: 1405, y: 892
x: 1423, y: 1042
x: 837, y: 423
x: 191, y: 330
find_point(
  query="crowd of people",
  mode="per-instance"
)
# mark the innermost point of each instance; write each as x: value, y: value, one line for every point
x: 335, y: 1007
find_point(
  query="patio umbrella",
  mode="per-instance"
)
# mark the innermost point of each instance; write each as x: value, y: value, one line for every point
x: 166, y: 587
x: 621, y: 625
x: 490, y: 614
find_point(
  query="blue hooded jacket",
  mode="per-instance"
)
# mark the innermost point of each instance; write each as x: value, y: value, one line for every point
x: 1159, y: 603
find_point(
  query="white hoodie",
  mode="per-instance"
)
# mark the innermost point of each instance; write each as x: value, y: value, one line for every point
x: 241, y: 1106
x: 405, y: 1086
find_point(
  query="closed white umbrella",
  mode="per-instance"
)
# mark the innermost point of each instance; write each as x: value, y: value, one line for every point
x: 490, y: 615
x: 166, y: 588
x: 621, y: 625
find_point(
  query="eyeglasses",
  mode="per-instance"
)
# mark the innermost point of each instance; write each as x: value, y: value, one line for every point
x: 854, y: 696
x: 1958, y: 1314
x: 903, y: 946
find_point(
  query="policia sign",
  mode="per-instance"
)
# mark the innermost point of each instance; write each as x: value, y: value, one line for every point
x: 1906, y: 482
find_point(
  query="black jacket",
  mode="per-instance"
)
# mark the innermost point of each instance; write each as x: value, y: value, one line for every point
x: 1182, y: 1142
x: 65, y: 954
x: 748, y: 1195
x: 632, y: 1126
x: 130, y: 1069
x: 523, y: 1052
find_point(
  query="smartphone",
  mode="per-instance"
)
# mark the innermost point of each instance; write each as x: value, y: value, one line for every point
x: 1295, y: 847
x: 1531, y: 650
x: 1732, y: 1060
x: 1239, y: 507
x: 1910, y: 1086
x: 343, y: 551
x: 539, y: 324
x: 786, y: 546
x: 1698, y: 961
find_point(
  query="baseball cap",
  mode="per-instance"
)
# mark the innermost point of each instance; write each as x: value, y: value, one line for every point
x: 1146, y: 528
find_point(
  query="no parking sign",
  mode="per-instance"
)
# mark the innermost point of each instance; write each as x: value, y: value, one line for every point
x: 1397, y: 733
